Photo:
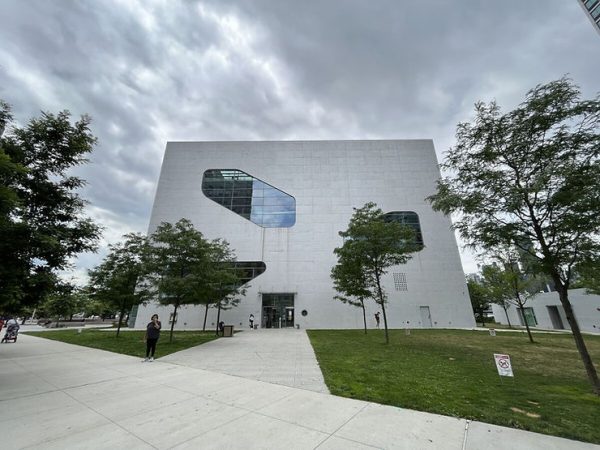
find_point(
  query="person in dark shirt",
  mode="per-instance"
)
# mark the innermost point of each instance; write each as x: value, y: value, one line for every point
x: 152, y: 335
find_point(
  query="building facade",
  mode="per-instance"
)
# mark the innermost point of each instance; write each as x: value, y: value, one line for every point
x: 592, y: 10
x: 281, y: 204
x: 545, y: 311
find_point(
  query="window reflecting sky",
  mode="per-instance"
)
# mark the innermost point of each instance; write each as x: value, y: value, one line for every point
x: 250, y: 197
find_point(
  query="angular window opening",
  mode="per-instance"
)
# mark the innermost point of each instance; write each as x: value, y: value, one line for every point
x: 410, y: 219
x: 249, y: 197
x: 248, y: 270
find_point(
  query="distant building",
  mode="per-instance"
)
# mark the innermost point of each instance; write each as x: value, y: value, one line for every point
x: 545, y: 311
x: 281, y: 204
x: 592, y: 10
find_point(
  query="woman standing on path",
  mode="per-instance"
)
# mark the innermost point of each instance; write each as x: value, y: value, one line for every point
x: 152, y: 335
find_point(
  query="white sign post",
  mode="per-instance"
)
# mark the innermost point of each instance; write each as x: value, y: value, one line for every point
x: 503, y: 365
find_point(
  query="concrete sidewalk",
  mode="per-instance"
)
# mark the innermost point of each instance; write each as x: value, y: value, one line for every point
x: 275, y: 356
x: 60, y: 396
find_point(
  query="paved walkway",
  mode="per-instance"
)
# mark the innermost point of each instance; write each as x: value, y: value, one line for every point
x: 275, y: 356
x: 60, y: 396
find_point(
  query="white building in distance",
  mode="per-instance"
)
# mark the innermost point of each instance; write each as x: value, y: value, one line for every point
x: 281, y: 204
x: 545, y: 311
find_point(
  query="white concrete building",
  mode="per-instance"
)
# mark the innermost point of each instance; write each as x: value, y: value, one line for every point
x: 283, y: 204
x: 545, y: 311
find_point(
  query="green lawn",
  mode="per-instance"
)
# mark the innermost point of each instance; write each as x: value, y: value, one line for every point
x: 129, y: 342
x: 452, y: 372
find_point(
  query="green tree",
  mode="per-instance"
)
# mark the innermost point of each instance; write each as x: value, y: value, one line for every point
x: 185, y: 268
x: 589, y: 273
x: 62, y: 302
x: 118, y: 282
x: 376, y: 244
x: 531, y: 178
x: 42, y: 221
x: 350, y: 281
x: 508, y: 284
x: 479, y: 299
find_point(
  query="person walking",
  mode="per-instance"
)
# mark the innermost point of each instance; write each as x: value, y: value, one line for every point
x: 152, y: 335
x: 377, y: 319
x: 251, y: 320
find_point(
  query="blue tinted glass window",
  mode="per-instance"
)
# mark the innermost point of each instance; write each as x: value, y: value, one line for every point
x: 251, y: 198
x: 408, y: 218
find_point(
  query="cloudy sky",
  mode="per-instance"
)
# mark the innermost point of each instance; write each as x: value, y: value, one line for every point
x: 152, y: 71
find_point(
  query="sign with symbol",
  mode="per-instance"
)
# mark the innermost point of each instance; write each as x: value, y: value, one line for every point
x: 503, y: 365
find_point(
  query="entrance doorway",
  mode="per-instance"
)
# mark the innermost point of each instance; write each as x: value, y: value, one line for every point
x: 425, y: 316
x: 557, y: 322
x: 277, y: 310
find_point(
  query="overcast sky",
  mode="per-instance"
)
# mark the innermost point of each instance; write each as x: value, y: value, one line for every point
x: 152, y: 71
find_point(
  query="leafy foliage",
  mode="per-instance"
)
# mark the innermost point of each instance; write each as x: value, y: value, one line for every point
x: 118, y: 282
x: 479, y: 299
x: 185, y: 268
x: 42, y: 224
x: 371, y: 246
x: 530, y: 178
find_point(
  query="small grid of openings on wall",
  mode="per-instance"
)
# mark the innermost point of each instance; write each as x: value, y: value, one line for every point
x: 410, y: 219
x: 400, y: 281
x: 249, y: 197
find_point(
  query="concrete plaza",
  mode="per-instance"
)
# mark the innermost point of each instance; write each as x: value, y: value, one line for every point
x: 60, y: 396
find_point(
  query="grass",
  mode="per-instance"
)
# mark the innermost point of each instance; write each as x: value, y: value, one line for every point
x: 452, y: 372
x: 129, y: 342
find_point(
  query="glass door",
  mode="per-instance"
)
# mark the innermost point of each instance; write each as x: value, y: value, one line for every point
x: 278, y: 310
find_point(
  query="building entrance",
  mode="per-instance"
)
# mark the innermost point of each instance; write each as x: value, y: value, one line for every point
x: 277, y: 310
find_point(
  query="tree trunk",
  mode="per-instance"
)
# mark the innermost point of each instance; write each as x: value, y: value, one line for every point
x: 506, y: 312
x: 205, y: 316
x: 362, y: 304
x: 521, y: 307
x: 382, y: 303
x: 218, y: 316
x: 173, y: 322
x: 120, y: 317
x: 579, y: 342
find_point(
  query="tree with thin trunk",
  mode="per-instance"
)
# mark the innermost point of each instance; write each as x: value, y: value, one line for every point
x: 375, y: 244
x: 350, y: 281
x: 479, y: 299
x: 118, y: 281
x: 178, y: 262
x: 508, y: 284
x: 187, y: 269
x: 531, y: 177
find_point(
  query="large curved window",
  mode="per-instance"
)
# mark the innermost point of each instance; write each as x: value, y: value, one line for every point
x: 409, y: 218
x: 250, y: 197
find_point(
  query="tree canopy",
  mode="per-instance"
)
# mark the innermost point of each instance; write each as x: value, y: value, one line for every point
x: 479, y: 299
x: 371, y: 246
x: 42, y: 220
x: 530, y: 178
x: 118, y: 281
x: 186, y: 268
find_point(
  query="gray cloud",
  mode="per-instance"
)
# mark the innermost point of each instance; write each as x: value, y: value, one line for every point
x: 152, y: 71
